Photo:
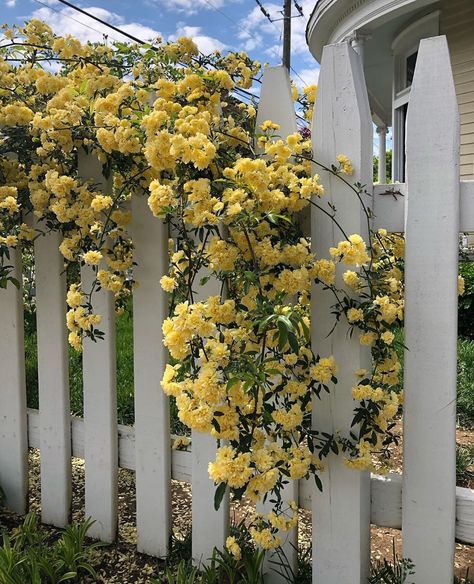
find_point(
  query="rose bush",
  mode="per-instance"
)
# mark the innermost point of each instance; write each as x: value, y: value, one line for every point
x: 167, y: 124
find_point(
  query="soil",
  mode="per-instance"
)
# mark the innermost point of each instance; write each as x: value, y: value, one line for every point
x: 121, y: 564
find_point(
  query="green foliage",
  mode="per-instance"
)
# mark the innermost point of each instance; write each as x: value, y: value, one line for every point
x: 185, y: 573
x: 125, y: 390
x: 464, y: 460
x: 466, y: 301
x: 28, y: 556
x: 396, y: 573
x: 222, y: 567
x: 388, y: 166
x: 465, y: 404
x: 465, y: 579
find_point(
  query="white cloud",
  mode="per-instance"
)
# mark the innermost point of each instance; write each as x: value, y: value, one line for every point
x: 10, y: 3
x: 206, y: 44
x: 191, y: 7
x: 258, y: 31
x: 306, y: 77
x: 68, y: 21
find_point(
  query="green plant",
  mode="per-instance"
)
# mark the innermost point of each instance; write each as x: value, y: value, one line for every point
x: 464, y: 460
x: 224, y: 568
x: 28, y: 556
x: 466, y: 301
x: 185, y: 573
x: 465, y: 392
x: 464, y: 580
x: 396, y: 572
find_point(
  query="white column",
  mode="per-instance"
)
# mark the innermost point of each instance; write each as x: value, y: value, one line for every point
x: 357, y: 41
x: 382, y: 132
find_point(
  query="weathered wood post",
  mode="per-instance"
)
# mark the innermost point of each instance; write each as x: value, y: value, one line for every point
x: 13, y: 426
x: 342, y: 125
x: 53, y: 378
x: 100, y: 393
x: 431, y: 268
x: 152, y: 418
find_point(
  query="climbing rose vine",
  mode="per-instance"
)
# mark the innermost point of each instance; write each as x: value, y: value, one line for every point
x: 166, y: 123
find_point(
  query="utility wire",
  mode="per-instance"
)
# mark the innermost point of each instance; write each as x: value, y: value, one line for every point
x: 298, y: 7
x: 269, y: 18
x: 71, y: 18
x: 242, y: 92
x: 96, y: 18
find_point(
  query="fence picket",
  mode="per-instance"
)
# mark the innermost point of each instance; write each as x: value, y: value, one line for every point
x: 342, y: 125
x: 53, y: 379
x: 100, y: 396
x: 209, y: 527
x: 281, y: 111
x: 152, y: 421
x: 432, y: 226
x: 13, y: 421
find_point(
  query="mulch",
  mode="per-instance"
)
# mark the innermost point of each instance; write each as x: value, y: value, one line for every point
x: 120, y: 563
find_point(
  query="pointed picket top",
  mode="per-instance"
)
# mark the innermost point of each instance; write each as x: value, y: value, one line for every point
x: 431, y: 265
x: 276, y: 102
x: 342, y: 125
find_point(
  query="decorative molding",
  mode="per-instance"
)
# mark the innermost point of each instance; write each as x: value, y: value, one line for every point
x: 333, y: 20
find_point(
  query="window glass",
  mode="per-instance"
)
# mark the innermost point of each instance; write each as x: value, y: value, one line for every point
x: 411, y: 62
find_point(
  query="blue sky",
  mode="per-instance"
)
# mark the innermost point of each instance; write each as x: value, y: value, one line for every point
x: 213, y: 24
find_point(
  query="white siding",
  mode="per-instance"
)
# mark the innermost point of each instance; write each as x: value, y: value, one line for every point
x: 457, y: 23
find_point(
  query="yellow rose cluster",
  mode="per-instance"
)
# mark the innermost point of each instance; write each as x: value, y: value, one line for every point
x: 167, y: 125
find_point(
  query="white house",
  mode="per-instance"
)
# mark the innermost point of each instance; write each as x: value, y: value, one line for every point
x: 386, y: 33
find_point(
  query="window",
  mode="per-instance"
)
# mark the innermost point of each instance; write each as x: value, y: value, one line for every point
x: 405, y: 52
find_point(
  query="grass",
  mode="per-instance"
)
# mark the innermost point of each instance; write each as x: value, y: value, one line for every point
x: 466, y: 382
x: 465, y: 387
x: 125, y: 392
x: 125, y: 403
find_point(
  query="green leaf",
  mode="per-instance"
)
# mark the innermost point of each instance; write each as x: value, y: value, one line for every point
x: 283, y: 337
x: 219, y: 495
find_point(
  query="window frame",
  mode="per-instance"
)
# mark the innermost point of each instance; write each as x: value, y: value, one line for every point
x: 404, y: 45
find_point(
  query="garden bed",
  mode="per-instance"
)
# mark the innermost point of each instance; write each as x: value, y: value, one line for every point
x: 120, y: 563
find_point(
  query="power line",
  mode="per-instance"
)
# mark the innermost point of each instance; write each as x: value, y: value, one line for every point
x: 298, y: 7
x: 242, y: 92
x: 71, y: 17
x: 273, y: 21
x: 105, y: 23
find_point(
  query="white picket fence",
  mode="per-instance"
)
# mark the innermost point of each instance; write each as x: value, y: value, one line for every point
x: 425, y: 503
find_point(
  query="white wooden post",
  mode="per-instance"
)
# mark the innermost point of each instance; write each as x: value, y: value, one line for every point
x: 276, y: 104
x: 100, y: 396
x: 13, y: 421
x: 53, y: 377
x: 152, y: 421
x: 210, y: 528
x: 431, y: 268
x: 342, y: 125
